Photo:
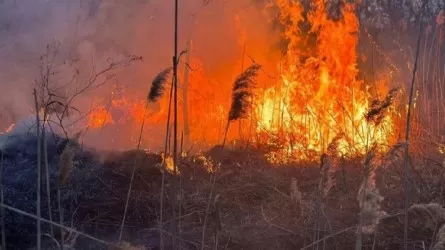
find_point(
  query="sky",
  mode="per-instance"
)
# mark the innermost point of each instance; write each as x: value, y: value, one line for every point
x: 85, y: 35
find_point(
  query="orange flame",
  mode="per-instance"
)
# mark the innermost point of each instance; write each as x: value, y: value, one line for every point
x: 316, y: 97
x: 320, y: 97
x: 8, y: 129
x: 99, y: 117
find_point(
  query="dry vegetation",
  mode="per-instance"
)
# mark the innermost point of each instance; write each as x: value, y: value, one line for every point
x: 231, y: 196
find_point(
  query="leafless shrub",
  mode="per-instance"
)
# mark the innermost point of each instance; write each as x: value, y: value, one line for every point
x: 430, y: 215
x: 426, y: 222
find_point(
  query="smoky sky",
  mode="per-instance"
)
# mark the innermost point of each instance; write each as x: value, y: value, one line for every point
x: 87, y: 33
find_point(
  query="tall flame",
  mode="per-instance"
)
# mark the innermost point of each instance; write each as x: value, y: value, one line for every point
x: 315, y: 98
x: 319, y: 96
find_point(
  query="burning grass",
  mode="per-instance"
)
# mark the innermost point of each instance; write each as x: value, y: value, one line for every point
x: 316, y: 108
x: 303, y: 99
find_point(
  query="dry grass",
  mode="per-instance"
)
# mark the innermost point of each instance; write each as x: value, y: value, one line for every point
x: 254, y: 205
x: 440, y: 239
x: 125, y: 246
x: 329, y: 165
x: 66, y: 164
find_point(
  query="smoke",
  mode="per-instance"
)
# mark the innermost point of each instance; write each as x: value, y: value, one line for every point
x: 88, y: 34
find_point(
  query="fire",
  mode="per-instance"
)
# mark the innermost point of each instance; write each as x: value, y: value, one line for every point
x: 207, y: 163
x: 315, y: 97
x: 99, y: 117
x: 319, y: 97
x: 8, y: 129
x: 168, y: 164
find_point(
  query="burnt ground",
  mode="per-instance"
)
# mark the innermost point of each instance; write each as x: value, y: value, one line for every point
x: 243, y: 201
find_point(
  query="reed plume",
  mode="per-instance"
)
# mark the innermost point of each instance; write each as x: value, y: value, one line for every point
x: 378, y: 108
x: 368, y: 197
x: 158, y: 85
x: 240, y: 103
x: 242, y: 95
x: 295, y: 194
x: 329, y: 165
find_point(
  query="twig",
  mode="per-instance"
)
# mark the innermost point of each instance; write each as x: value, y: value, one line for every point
x: 174, y: 236
x: 53, y: 239
x: 47, y: 174
x: 39, y: 243
x: 2, y: 211
x: 175, y: 116
x: 60, y: 216
x: 329, y: 236
x: 178, y: 218
x: 275, y: 225
x: 227, y: 243
x: 133, y: 171
x: 13, y: 209
x: 278, y: 191
x: 408, y: 126
x: 207, y: 214
x: 45, y: 74
x: 167, y: 132
x: 161, y: 234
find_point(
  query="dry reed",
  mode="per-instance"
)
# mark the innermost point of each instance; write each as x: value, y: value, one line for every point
x: 242, y: 95
x: 295, y: 193
x: 329, y: 165
x: 158, y: 85
x: 66, y: 165
x: 125, y: 246
x: 440, y: 239
x: 38, y: 180
x: 242, y: 91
